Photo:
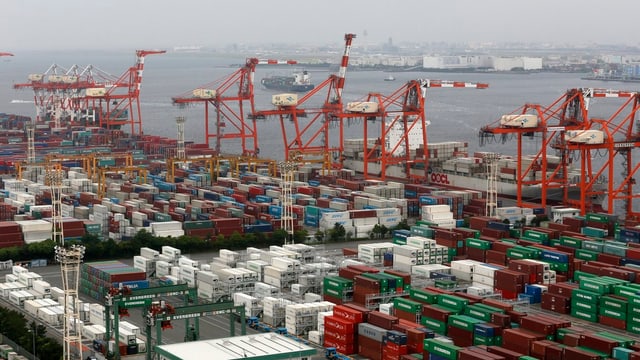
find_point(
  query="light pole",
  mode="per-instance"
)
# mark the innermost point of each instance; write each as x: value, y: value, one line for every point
x: 33, y: 341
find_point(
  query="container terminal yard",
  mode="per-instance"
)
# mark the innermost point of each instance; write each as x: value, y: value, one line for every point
x: 470, y: 278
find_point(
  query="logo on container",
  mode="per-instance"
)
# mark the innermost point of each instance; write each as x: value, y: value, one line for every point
x: 439, y: 178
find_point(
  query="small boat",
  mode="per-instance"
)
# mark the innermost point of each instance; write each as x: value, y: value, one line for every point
x: 389, y: 78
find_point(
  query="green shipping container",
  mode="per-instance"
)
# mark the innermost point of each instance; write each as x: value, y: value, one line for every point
x: 478, y: 244
x: 586, y: 306
x: 584, y: 315
x: 609, y: 302
x: 484, y: 340
x: 588, y: 255
x: 435, y: 325
x: 453, y: 302
x: 440, y: 348
x: 585, y: 296
x: 407, y: 305
x: 614, y: 314
x: 424, y: 296
x: 463, y: 322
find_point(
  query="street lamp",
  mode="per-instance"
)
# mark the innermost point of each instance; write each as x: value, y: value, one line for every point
x: 33, y: 341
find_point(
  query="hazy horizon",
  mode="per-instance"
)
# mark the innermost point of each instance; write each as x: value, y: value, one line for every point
x: 121, y: 24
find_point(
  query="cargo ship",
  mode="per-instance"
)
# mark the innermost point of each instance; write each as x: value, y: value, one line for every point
x: 451, y: 165
x: 299, y: 81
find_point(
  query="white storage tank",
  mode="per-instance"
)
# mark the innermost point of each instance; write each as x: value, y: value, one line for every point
x: 520, y: 120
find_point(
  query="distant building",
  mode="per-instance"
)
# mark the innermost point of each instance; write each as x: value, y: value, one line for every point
x: 481, y: 62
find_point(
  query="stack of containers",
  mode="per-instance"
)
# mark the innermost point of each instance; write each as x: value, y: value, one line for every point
x: 337, y: 289
x: 10, y: 234
x: 341, y: 329
x: 407, y: 309
x: 483, y: 279
x: 167, y: 228
x: 252, y: 305
x: 302, y: 318
x: 34, y: 231
x: 374, y: 253
x: 282, y: 273
x: 586, y: 301
x: 274, y: 310
x: 98, y: 277
x: 372, y: 334
x: 406, y: 256
x: 208, y: 285
x: 439, y: 215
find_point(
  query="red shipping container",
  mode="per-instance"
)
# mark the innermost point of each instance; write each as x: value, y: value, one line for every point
x: 615, y: 323
x: 496, y: 257
x: 365, y: 311
x: 609, y: 259
x: 348, y: 314
x: 537, y: 324
x: 556, y: 303
x: 342, y: 348
x: 519, y: 340
x: 339, y: 336
x: 436, y: 312
x: 382, y: 320
x: 563, y: 288
x: 574, y: 353
x: 460, y: 336
x: 369, y: 348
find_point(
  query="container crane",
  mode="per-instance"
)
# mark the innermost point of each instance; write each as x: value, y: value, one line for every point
x: 118, y: 103
x: 52, y: 92
x: 568, y: 112
x: 311, y: 126
x: 404, y: 108
x: 616, y: 137
x: 566, y: 115
x: 231, y: 98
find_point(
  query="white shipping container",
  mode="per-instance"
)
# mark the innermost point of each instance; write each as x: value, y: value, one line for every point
x: 48, y: 315
x: 183, y: 260
x: 130, y: 327
x: 149, y: 253
x: 42, y: 286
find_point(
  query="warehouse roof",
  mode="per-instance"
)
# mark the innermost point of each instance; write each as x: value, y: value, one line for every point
x: 268, y: 346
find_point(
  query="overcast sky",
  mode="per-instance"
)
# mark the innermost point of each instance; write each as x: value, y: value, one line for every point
x: 125, y: 24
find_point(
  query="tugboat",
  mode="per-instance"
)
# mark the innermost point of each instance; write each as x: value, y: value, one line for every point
x: 389, y: 78
x: 299, y: 81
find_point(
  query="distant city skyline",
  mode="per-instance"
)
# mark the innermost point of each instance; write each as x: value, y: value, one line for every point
x: 124, y: 24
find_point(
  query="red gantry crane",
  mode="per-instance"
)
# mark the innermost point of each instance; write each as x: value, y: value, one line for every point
x: 52, y: 91
x: 118, y: 102
x: 88, y: 95
x: 405, y: 110
x: 568, y: 112
x: 309, y: 141
x: 231, y: 98
x: 614, y: 138
x: 564, y: 126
